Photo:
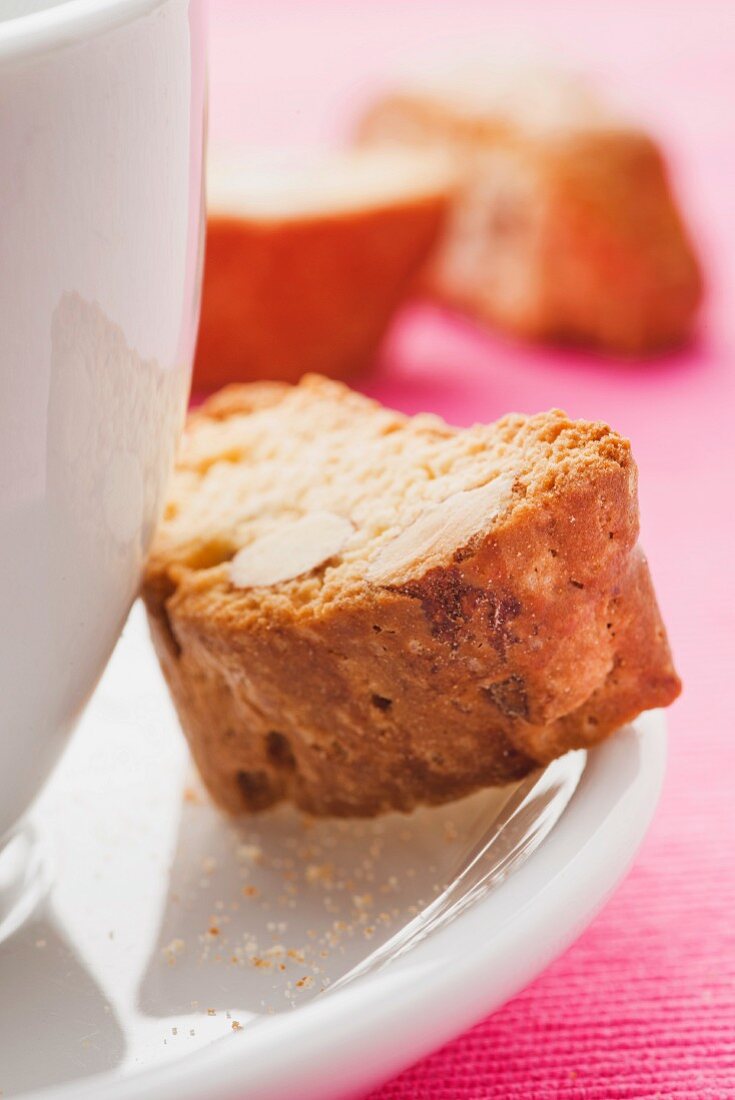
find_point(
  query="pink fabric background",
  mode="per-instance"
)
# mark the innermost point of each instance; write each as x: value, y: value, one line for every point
x: 644, y: 1004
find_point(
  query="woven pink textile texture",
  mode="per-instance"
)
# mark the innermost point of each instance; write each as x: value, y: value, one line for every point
x: 644, y: 1004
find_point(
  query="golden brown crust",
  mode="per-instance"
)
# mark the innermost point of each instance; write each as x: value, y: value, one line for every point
x: 569, y: 233
x: 539, y: 635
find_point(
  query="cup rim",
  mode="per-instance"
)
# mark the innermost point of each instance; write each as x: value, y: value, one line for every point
x: 67, y: 23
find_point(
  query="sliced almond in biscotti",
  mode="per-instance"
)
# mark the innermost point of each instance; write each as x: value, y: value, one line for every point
x: 439, y: 530
x: 307, y: 262
x: 290, y: 550
x: 359, y: 611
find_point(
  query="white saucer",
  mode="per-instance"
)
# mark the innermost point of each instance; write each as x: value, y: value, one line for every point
x: 175, y: 955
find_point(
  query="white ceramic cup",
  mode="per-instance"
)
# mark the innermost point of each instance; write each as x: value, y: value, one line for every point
x: 101, y: 132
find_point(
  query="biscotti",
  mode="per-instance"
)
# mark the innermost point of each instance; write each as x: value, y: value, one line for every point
x: 306, y: 264
x: 565, y: 227
x: 359, y: 612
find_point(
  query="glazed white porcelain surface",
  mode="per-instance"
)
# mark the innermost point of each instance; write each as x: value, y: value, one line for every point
x: 144, y: 958
x: 101, y: 130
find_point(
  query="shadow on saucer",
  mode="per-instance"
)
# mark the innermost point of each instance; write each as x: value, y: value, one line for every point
x: 54, y: 1023
x: 264, y: 914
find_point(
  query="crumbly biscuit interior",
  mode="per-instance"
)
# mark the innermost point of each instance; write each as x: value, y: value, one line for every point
x: 319, y: 447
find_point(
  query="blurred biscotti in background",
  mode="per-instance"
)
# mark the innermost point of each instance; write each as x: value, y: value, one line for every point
x: 516, y: 195
x: 306, y: 265
x: 565, y: 227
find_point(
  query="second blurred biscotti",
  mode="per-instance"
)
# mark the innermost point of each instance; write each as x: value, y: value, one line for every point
x: 306, y: 265
x: 565, y: 227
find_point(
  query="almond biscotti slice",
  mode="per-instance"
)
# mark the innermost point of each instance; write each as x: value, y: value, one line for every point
x: 566, y: 226
x: 306, y: 263
x: 359, y: 612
